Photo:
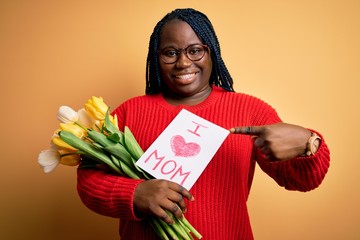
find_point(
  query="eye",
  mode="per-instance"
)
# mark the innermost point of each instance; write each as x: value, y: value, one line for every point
x: 196, y: 50
x: 169, y: 52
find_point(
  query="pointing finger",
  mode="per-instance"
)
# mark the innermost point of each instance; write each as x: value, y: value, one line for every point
x: 249, y: 130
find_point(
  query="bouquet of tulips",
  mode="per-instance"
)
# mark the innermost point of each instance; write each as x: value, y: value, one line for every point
x: 91, y: 136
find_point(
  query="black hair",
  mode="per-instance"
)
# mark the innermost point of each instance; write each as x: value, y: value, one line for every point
x: 202, y: 26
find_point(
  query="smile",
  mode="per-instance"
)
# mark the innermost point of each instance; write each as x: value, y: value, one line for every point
x: 186, y: 76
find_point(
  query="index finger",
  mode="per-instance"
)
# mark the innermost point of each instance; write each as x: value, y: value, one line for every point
x: 248, y: 130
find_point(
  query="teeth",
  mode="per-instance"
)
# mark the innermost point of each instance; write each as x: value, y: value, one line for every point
x: 186, y: 76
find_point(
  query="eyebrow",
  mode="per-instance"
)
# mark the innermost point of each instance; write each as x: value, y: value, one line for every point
x: 172, y: 46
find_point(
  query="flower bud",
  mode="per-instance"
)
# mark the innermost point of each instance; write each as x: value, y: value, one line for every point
x: 73, y: 128
x: 85, y: 119
x: 114, y: 120
x: 67, y: 115
x: 49, y: 159
x: 70, y: 160
x: 96, y: 108
x: 57, y: 141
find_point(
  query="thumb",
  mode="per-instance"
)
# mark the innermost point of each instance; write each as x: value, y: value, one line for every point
x: 249, y: 130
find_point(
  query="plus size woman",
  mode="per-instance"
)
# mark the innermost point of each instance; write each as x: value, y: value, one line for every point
x: 185, y: 70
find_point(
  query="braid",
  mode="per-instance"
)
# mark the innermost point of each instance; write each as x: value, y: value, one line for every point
x: 202, y: 26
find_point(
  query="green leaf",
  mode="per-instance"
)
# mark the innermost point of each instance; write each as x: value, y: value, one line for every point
x: 141, y: 172
x: 87, y: 148
x: 111, y: 128
x: 131, y: 144
x: 120, y: 152
x: 114, y: 137
x: 100, y: 138
x: 128, y: 171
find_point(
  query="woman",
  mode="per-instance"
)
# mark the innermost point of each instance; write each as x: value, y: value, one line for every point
x: 185, y: 71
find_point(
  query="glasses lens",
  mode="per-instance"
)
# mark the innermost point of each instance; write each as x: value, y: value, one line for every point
x: 195, y: 52
x: 169, y: 55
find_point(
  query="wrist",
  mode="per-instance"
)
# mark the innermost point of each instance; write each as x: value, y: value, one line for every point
x: 312, y: 145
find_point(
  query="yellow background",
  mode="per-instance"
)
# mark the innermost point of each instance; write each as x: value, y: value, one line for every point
x: 302, y: 57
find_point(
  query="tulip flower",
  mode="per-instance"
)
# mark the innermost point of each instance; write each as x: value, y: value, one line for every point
x: 85, y: 119
x: 74, y: 129
x: 96, y: 107
x: 70, y: 159
x: 69, y: 127
x: 59, y: 143
x: 49, y: 159
x: 114, y: 120
x: 67, y: 115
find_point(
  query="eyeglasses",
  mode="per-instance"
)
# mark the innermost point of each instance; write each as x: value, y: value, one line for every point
x: 194, y: 52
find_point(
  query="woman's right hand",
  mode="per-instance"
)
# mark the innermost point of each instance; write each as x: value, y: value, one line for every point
x: 154, y: 196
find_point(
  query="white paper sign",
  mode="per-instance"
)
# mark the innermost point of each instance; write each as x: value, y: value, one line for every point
x: 183, y: 150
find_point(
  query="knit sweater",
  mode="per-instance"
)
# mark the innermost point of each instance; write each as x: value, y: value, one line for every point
x: 221, y: 192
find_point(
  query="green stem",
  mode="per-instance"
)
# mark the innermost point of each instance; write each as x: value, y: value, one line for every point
x: 158, y: 229
x: 68, y: 154
x: 178, y: 227
x: 168, y: 229
x: 192, y: 229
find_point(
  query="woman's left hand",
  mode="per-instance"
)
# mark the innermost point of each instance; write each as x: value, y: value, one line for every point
x: 280, y: 141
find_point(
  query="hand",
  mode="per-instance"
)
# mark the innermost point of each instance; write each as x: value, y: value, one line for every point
x: 281, y: 141
x: 155, y: 196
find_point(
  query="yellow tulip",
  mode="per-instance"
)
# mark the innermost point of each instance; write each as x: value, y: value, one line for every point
x: 69, y: 127
x: 99, y: 124
x: 73, y: 128
x: 62, y: 145
x: 70, y: 160
x: 114, y: 120
x: 96, y: 107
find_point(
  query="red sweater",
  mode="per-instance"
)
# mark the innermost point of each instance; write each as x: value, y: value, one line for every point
x: 219, y: 210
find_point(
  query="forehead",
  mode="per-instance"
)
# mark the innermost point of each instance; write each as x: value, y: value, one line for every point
x: 178, y: 33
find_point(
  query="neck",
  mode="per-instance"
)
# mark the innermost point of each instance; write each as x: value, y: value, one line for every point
x: 187, y: 100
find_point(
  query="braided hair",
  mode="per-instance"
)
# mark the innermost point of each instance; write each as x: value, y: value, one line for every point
x: 202, y: 26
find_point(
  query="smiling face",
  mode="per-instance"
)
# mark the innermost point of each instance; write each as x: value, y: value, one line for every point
x: 187, y: 81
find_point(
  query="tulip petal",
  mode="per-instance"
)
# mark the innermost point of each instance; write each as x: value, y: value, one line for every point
x: 67, y: 115
x: 96, y: 108
x: 99, y: 104
x: 92, y: 111
x: 85, y: 119
x: 73, y: 128
x: 49, y: 159
x: 63, y: 145
x: 70, y: 160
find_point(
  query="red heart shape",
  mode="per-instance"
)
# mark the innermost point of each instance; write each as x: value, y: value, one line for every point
x: 183, y: 149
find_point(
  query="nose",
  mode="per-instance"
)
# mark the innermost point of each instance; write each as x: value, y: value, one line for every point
x: 183, y: 61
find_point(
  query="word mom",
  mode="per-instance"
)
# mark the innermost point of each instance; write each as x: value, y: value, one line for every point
x: 176, y: 164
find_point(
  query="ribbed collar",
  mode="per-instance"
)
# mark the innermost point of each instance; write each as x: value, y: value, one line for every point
x: 215, y: 94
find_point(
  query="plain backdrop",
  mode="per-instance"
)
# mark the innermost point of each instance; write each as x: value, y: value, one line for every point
x: 300, y: 56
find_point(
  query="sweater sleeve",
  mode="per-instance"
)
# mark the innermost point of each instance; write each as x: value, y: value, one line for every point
x: 107, y: 194
x: 301, y: 173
